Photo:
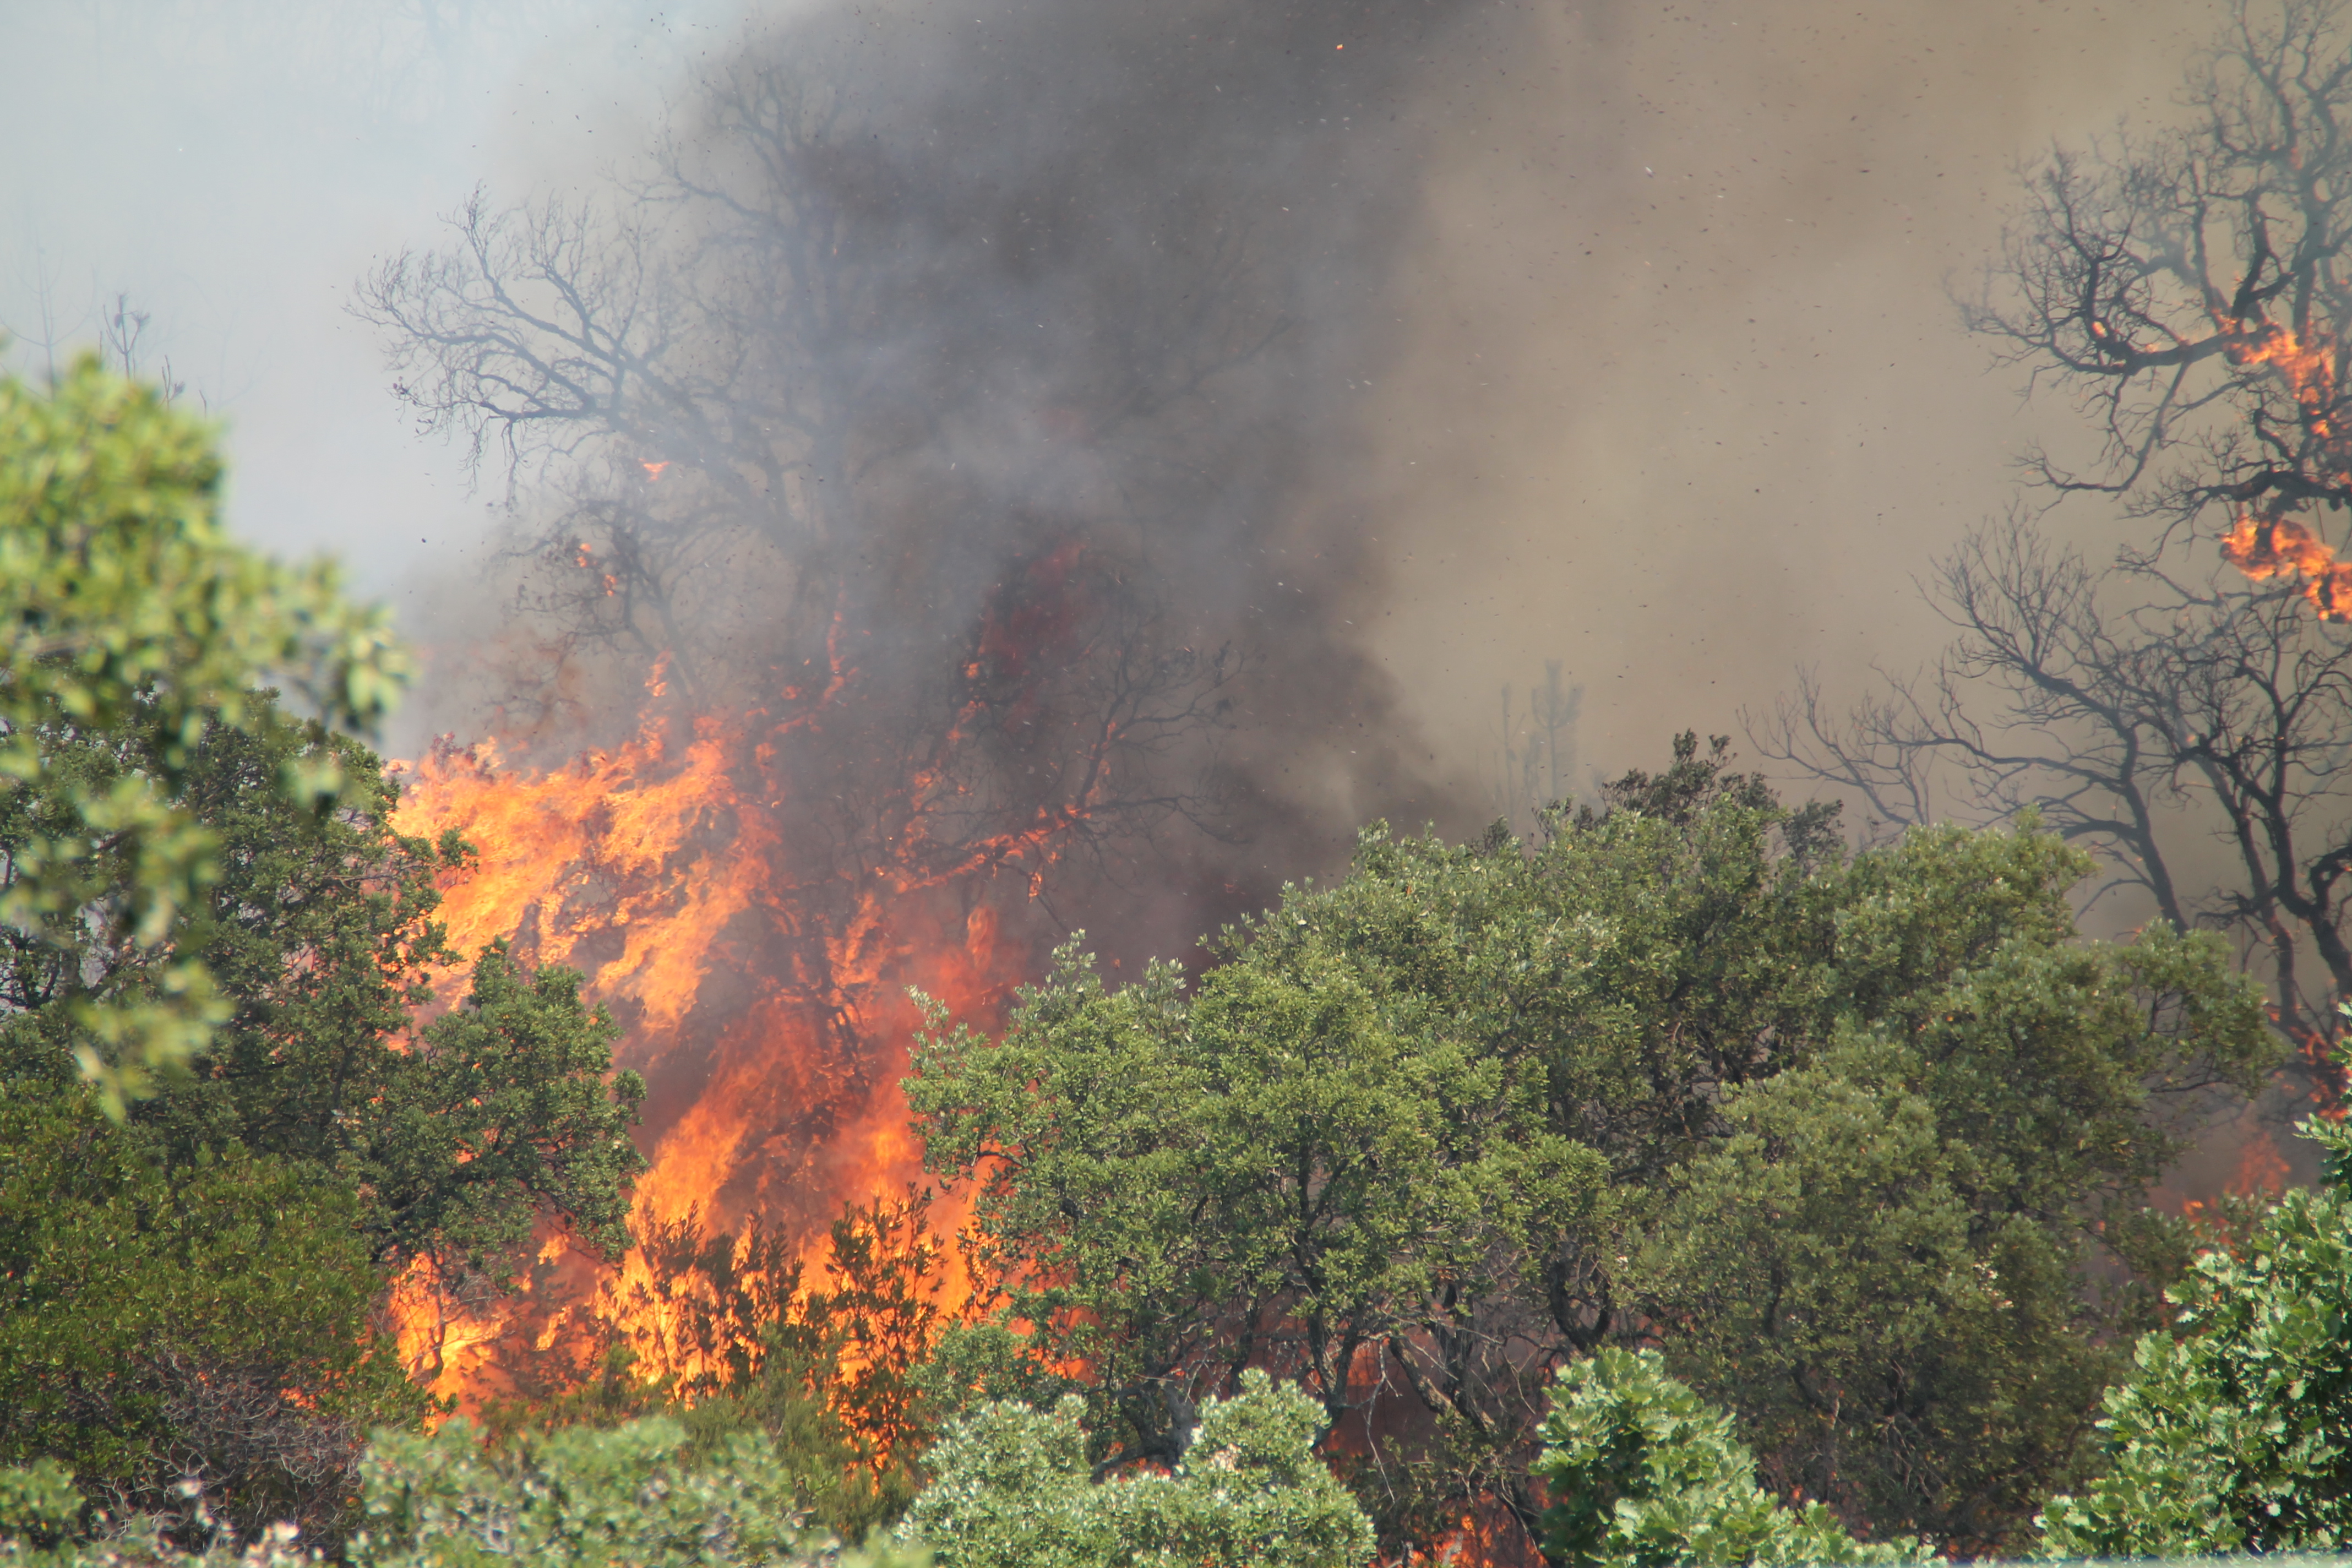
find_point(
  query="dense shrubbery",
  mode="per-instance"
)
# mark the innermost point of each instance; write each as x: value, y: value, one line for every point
x: 637, y: 1495
x: 211, y: 1321
x: 126, y: 613
x: 1842, y: 1133
x: 1010, y: 1487
x: 2230, y: 1436
x: 1839, y: 1133
x: 1642, y: 1474
x: 2234, y: 1434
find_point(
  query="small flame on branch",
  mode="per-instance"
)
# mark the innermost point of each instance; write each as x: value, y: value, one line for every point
x: 2308, y: 370
x: 2264, y: 543
x: 2264, y: 548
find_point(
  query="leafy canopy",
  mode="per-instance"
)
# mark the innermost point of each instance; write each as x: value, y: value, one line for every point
x: 2233, y: 1433
x: 192, y: 880
x: 367, y: 1141
x: 318, y: 930
x: 637, y: 1496
x: 125, y: 609
x: 1671, y: 1071
x: 1643, y: 1475
x: 211, y: 1323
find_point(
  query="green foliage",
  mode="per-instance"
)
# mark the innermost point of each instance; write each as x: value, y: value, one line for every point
x: 39, y: 1503
x: 640, y: 1495
x: 1478, y: 1110
x: 203, y: 909
x: 1642, y: 1474
x: 1879, y: 1264
x: 212, y: 1322
x: 2234, y: 1434
x: 581, y: 1495
x: 318, y: 934
x: 370, y: 1141
x: 502, y: 1118
x: 1010, y: 1488
x: 126, y: 611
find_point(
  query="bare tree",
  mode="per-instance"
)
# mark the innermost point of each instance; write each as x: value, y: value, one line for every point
x: 784, y: 415
x: 2190, y: 290
x: 2187, y: 718
x: 2194, y: 733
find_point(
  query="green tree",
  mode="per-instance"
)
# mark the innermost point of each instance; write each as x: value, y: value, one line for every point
x: 1431, y: 1132
x: 1010, y: 1488
x: 1642, y: 1474
x: 177, y: 852
x: 2233, y: 1433
x: 1880, y: 1263
x: 211, y: 1324
x: 378, y: 1142
x: 318, y: 933
x: 125, y: 610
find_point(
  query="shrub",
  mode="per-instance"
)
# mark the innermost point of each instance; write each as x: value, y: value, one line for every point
x: 1643, y: 1475
x: 1010, y: 1488
x: 2235, y: 1433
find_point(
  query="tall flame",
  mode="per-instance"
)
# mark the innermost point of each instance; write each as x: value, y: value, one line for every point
x: 770, y: 1017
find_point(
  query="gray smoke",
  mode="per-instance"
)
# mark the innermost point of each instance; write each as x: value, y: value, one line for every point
x: 1541, y: 462
x: 958, y: 391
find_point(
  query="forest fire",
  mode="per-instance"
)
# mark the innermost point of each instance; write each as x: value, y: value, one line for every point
x: 768, y: 1012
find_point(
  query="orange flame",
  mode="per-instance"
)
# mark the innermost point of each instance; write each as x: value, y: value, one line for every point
x: 2308, y: 369
x: 2267, y: 544
x: 753, y: 893
x: 2264, y: 548
x: 2262, y: 1170
x: 443, y: 1339
x: 770, y: 1018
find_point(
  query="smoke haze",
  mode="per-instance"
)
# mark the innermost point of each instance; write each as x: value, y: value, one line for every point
x: 1620, y: 332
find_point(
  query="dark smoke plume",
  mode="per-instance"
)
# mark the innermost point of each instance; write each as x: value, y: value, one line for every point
x: 936, y: 425
x: 989, y: 356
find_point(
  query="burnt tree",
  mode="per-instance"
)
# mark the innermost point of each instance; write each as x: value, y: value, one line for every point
x: 2184, y: 709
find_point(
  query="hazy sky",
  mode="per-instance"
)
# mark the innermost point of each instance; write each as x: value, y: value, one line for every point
x: 1682, y: 402
x: 233, y: 167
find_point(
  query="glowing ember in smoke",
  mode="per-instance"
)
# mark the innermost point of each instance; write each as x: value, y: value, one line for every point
x: 2266, y: 544
x: 2267, y: 548
x: 2262, y: 1170
x: 653, y: 470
